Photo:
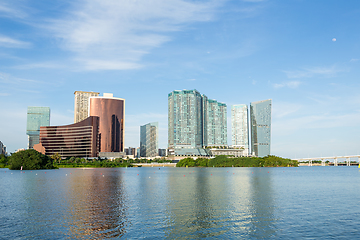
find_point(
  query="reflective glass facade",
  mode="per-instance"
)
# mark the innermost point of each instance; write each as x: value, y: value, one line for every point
x: 111, y: 112
x: 260, y: 114
x: 239, y: 127
x: 76, y: 140
x: 36, y: 117
x: 149, y: 140
x: 195, y: 121
x: 185, y: 119
x: 215, y: 122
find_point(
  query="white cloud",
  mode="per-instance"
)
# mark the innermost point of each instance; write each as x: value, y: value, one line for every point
x: 4, y: 94
x: 290, y: 84
x: 107, y: 34
x: 334, y: 39
x: 315, y: 71
x: 39, y: 65
x: 10, y: 9
x: 13, y: 43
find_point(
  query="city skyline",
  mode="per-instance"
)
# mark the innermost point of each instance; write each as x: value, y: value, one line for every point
x: 302, y: 55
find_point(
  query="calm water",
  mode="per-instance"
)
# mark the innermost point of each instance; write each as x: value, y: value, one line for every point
x: 181, y: 203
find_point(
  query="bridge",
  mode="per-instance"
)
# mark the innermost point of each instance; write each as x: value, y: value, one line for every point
x: 333, y: 160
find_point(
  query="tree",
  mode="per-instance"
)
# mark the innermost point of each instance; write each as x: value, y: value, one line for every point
x: 56, y: 157
x: 30, y: 160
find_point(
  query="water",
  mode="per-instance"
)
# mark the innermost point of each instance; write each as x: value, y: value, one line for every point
x: 219, y: 203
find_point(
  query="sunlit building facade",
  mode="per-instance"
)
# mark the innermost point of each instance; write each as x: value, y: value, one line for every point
x: 111, y: 112
x: 239, y: 127
x: 81, y: 110
x: 260, y: 116
x: 149, y: 140
x: 76, y: 140
x: 36, y: 117
x: 194, y: 122
x: 215, y: 122
x: 185, y: 119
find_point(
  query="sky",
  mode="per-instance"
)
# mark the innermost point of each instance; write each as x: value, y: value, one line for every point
x: 304, y: 55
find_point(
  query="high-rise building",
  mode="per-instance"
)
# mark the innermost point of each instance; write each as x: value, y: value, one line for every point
x: 215, y: 122
x: 149, y: 140
x: 111, y: 112
x: 260, y: 117
x: 2, y: 148
x: 36, y: 117
x: 194, y: 121
x: 81, y: 111
x: 76, y: 140
x: 239, y: 127
x: 185, y: 119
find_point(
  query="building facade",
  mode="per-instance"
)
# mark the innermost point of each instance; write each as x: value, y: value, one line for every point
x: 111, y: 112
x: 36, y: 117
x: 2, y: 148
x: 239, y: 127
x: 81, y: 110
x: 185, y: 119
x: 149, y: 140
x: 215, y: 122
x: 76, y: 140
x: 260, y: 117
x: 194, y: 121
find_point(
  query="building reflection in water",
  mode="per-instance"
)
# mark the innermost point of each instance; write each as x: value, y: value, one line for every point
x: 262, y: 205
x: 96, y: 204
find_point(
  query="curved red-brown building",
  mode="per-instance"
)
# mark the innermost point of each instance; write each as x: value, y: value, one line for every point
x: 111, y: 112
x: 76, y: 140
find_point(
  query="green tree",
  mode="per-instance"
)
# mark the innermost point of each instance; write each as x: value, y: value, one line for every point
x: 30, y: 160
x: 56, y: 157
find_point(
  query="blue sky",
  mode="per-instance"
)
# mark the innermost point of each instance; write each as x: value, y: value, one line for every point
x: 304, y: 55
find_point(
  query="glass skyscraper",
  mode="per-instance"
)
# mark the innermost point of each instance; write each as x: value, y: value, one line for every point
x: 239, y: 127
x: 185, y: 119
x: 149, y: 140
x: 260, y: 114
x: 195, y: 121
x: 36, y: 117
x: 215, y: 122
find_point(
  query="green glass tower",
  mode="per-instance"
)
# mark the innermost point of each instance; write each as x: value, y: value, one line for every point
x: 36, y: 117
x: 260, y: 115
x: 194, y: 121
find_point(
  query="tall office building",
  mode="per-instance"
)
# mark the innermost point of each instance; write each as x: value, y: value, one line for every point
x: 260, y: 115
x: 36, y: 117
x: 149, y: 140
x: 215, y: 122
x: 185, y: 119
x: 2, y: 148
x: 239, y: 127
x: 194, y: 121
x: 111, y: 112
x: 81, y: 111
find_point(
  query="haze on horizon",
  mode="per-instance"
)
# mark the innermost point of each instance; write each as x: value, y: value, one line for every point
x: 304, y: 55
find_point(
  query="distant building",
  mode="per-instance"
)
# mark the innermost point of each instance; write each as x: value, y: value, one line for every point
x: 76, y: 140
x: 228, y: 151
x: 130, y: 152
x: 162, y: 152
x: 260, y: 115
x: 36, y: 117
x: 239, y: 127
x: 2, y: 148
x: 149, y: 140
x: 81, y: 110
x: 194, y: 122
x: 111, y: 112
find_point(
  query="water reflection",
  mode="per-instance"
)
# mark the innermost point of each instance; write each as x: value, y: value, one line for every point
x: 96, y: 204
x: 262, y: 205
